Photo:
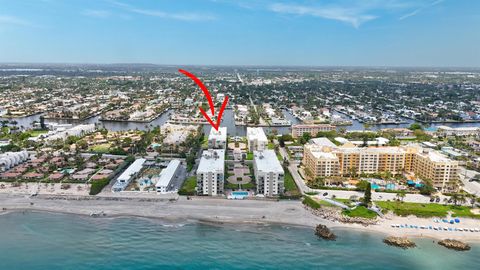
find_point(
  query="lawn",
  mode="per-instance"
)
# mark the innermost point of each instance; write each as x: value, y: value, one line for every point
x: 291, y: 189
x: 248, y: 185
x: 188, y: 187
x: 35, y: 133
x: 271, y: 145
x: 360, y: 211
x: 101, y: 148
x: 308, y: 201
x: 205, y: 142
x: 426, y: 210
x: 229, y: 185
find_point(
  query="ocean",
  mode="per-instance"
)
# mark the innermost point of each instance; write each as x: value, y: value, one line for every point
x: 41, y: 241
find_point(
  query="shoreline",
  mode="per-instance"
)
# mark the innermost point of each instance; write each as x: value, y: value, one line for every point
x: 218, y: 212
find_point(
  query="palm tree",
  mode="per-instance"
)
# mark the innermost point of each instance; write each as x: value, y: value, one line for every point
x: 461, y: 199
x: 445, y: 201
x: 401, y: 195
x: 455, y: 197
x: 473, y: 200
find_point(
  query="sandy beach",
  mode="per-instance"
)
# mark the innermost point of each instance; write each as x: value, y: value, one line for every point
x: 221, y: 211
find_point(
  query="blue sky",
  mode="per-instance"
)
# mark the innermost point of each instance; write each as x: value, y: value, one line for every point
x: 242, y: 32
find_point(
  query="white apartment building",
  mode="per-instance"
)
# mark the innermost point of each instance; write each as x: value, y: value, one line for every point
x: 126, y: 177
x: 165, y: 182
x: 257, y: 140
x: 459, y: 131
x: 268, y: 172
x: 211, y: 172
x: 62, y: 133
x: 11, y: 159
x: 217, y: 138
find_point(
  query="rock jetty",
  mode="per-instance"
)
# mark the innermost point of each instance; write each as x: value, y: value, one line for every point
x: 454, y: 244
x: 335, y: 214
x: 400, y: 242
x: 324, y: 232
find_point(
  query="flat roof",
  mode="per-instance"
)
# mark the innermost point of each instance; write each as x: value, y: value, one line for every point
x: 471, y: 128
x: 435, y: 156
x: 218, y: 135
x: 322, y: 141
x: 167, y: 174
x: 135, y: 167
x: 213, y: 160
x: 267, y: 161
x: 321, y: 154
x: 256, y: 133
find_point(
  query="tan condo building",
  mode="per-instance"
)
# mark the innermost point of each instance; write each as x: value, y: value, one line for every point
x: 324, y: 159
x: 299, y: 130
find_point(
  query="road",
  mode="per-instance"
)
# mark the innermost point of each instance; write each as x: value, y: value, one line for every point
x: 470, y: 187
x: 292, y: 167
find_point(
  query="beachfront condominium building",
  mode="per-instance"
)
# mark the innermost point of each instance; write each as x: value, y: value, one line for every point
x: 257, y: 140
x: 323, y: 159
x: 211, y: 172
x: 268, y: 172
x: 165, y: 182
x: 313, y: 129
x: 217, y: 139
x: 126, y: 177
x: 442, y: 171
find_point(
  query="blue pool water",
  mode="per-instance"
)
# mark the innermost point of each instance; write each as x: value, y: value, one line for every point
x: 390, y: 186
x: 240, y: 193
x: 41, y: 241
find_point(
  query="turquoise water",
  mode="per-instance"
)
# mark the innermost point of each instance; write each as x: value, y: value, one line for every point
x: 56, y: 241
x: 240, y: 193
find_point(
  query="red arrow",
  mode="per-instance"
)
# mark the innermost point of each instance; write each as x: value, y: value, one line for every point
x: 210, y: 101
x: 202, y: 86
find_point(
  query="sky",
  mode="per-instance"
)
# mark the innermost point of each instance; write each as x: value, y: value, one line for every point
x: 443, y: 33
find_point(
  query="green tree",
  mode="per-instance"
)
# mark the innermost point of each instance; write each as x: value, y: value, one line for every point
x: 362, y: 185
x: 415, y: 126
x: 401, y: 195
x: 367, y: 199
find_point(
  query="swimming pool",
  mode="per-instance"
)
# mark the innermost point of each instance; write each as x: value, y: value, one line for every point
x: 238, y: 195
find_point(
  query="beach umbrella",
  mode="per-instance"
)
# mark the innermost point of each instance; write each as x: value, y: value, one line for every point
x: 457, y: 220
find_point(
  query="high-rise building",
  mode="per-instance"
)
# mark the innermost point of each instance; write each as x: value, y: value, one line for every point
x: 217, y: 139
x: 257, y: 140
x: 211, y: 172
x: 268, y: 172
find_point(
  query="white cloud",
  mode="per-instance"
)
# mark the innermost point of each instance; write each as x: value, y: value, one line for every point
x: 182, y: 16
x: 420, y: 9
x: 97, y: 13
x: 353, y: 16
x: 187, y: 16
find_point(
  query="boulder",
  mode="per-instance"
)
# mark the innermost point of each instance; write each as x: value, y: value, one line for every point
x: 400, y: 242
x: 324, y: 232
x: 454, y: 244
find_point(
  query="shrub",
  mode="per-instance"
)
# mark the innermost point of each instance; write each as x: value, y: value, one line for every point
x: 98, y: 185
x: 308, y: 201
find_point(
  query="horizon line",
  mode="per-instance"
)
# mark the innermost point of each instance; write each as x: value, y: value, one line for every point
x: 236, y: 65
